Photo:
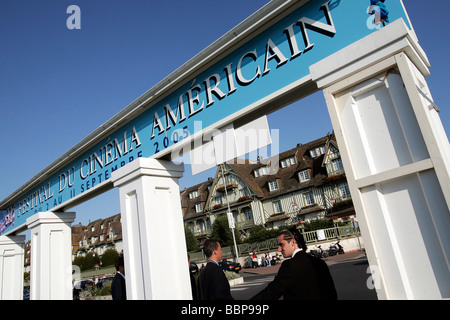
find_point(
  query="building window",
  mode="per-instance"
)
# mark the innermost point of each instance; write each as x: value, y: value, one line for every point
x: 344, y: 190
x: 317, y: 151
x: 277, y: 206
x: 309, y: 198
x: 304, y: 175
x: 229, y: 179
x: 218, y: 199
x: 201, y: 226
x: 198, y: 207
x: 193, y: 194
x: 337, y: 164
x: 273, y: 185
x: 248, y: 213
x: 260, y: 171
x: 288, y: 162
x: 244, y: 192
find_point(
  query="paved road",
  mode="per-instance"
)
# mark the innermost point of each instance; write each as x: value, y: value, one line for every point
x: 349, y: 273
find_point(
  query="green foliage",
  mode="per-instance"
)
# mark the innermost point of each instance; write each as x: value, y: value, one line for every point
x: 231, y: 275
x: 320, y: 224
x: 222, y: 233
x: 106, y: 290
x: 109, y: 257
x: 90, y: 260
x: 259, y: 233
x: 78, y: 261
x: 191, y: 241
x: 87, y: 262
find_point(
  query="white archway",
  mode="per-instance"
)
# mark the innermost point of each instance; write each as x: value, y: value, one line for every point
x: 394, y: 148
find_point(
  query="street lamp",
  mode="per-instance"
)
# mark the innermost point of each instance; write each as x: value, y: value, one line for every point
x: 230, y: 217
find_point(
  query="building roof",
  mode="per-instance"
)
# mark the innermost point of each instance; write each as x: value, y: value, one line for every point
x: 287, y: 178
x: 188, y: 205
x: 95, y: 229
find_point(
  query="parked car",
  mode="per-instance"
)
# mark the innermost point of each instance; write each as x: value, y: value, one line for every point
x: 230, y: 266
x: 193, y: 268
x: 84, y: 284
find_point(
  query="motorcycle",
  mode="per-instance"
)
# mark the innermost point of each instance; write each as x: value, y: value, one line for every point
x: 318, y: 253
x: 336, y: 248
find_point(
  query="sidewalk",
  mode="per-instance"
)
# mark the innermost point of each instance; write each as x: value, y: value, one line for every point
x: 329, y: 260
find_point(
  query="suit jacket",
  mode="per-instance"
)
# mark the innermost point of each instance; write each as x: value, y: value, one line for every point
x: 193, y: 287
x: 302, y: 277
x: 213, y: 284
x: 118, y: 289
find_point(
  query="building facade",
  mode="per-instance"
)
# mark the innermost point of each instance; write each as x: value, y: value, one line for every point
x: 98, y: 236
x: 301, y: 184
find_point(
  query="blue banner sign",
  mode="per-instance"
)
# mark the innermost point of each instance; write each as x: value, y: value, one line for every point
x: 269, y: 62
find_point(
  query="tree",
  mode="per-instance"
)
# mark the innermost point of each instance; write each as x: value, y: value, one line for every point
x: 222, y: 233
x: 78, y: 261
x: 109, y: 257
x: 259, y: 233
x: 191, y: 241
x: 90, y: 260
x: 318, y: 224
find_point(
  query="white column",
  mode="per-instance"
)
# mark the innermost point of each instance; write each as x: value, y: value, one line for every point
x: 156, y: 265
x: 51, y: 255
x: 11, y: 267
x: 396, y: 157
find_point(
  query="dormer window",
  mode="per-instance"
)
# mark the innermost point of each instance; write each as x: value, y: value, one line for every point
x: 304, y: 175
x: 317, y: 151
x: 193, y: 194
x: 260, y: 171
x: 198, y: 207
x: 288, y: 162
x: 273, y: 185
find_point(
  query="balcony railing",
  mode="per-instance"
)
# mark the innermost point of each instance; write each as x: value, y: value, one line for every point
x: 245, y: 224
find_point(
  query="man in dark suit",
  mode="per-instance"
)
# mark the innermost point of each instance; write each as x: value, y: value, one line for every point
x: 212, y: 283
x: 118, y: 289
x: 302, y: 277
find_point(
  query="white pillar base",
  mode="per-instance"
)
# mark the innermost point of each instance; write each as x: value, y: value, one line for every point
x: 51, y: 255
x: 156, y: 264
x: 11, y: 267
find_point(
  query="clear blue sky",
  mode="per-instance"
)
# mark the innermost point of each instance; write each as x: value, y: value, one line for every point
x: 58, y: 85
